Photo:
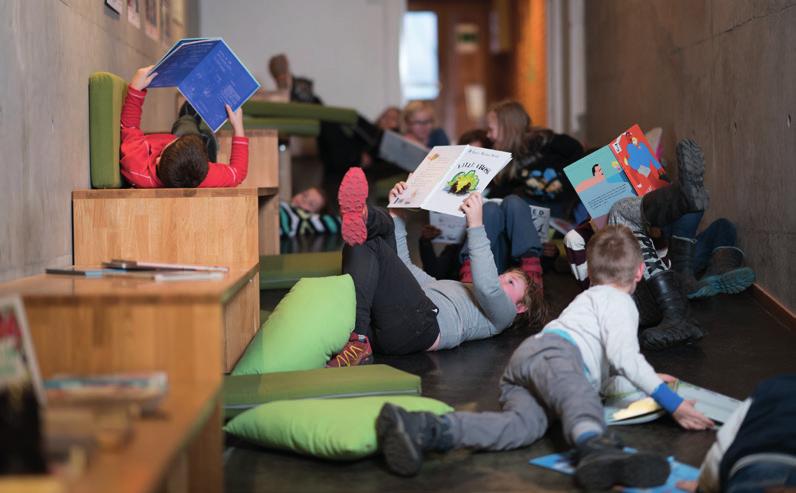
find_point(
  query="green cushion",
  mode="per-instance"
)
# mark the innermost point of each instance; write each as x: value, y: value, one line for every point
x: 301, y: 127
x: 309, y: 325
x: 333, y: 114
x: 244, y: 392
x: 339, y: 429
x: 106, y: 94
x: 283, y: 271
x: 382, y: 187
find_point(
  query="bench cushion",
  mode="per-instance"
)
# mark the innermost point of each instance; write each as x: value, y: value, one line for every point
x: 337, y: 429
x: 271, y: 109
x: 283, y: 271
x: 242, y: 392
x: 286, y: 127
x: 106, y: 93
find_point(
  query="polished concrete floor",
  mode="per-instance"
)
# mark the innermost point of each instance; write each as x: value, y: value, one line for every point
x: 744, y: 345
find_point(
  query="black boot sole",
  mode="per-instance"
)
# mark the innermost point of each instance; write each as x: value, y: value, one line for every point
x: 403, y: 457
x: 658, y: 339
x: 691, y: 168
x: 639, y: 470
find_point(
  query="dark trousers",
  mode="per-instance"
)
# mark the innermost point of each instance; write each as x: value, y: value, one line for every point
x: 192, y: 125
x: 392, y: 309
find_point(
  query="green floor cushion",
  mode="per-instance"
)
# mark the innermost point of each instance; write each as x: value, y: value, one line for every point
x: 106, y: 94
x: 271, y: 109
x: 242, y: 392
x: 381, y: 189
x: 283, y: 271
x: 338, y: 429
x: 308, y: 326
x: 286, y: 127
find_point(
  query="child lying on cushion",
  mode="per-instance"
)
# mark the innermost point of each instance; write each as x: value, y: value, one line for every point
x: 305, y: 215
x: 176, y: 161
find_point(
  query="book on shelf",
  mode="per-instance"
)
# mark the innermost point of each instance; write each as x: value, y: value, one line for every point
x: 140, y: 391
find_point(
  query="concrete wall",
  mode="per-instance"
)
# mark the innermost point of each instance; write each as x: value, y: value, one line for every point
x: 48, y: 49
x: 721, y: 72
x: 349, y: 48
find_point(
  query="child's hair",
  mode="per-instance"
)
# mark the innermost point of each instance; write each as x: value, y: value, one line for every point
x: 536, y: 314
x: 184, y: 163
x: 613, y: 255
x: 416, y: 106
x: 475, y: 135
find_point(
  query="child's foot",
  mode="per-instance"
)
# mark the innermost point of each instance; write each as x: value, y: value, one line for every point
x: 351, y: 196
x: 691, y: 174
x: 357, y: 351
x: 403, y: 436
x: 532, y: 266
x: 465, y: 272
x: 603, y: 463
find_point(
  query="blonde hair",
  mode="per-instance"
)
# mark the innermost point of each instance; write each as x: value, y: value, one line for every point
x: 613, y: 256
x: 413, y: 107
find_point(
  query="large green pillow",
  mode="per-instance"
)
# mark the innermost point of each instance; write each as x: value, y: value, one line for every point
x: 106, y: 93
x: 309, y: 325
x: 339, y: 429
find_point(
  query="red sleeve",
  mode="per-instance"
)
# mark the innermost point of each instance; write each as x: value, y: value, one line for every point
x: 134, y: 147
x: 232, y: 174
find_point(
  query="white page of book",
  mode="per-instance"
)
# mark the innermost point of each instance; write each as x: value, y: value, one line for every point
x: 427, y: 176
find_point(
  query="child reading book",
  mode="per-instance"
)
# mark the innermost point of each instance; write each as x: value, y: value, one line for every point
x: 171, y: 161
x: 558, y: 373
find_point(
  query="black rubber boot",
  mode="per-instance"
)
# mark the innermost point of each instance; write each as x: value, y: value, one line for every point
x: 648, y: 312
x: 603, y: 463
x: 681, y: 254
x: 725, y: 274
x: 665, y: 205
x: 403, y: 436
x: 675, y: 327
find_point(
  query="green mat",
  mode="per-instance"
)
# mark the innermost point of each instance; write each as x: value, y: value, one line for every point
x: 283, y: 271
x: 247, y: 391
x: 270, y: 109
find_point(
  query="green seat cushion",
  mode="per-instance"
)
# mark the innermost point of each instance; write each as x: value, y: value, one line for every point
x: 244, y: 392
x: 338, y: 429
x: 382, y: 187
x: 309, y: 325
x: 270, y: 109
x: 301, y: 127
x: 106, y: 94
x: 283, y: 271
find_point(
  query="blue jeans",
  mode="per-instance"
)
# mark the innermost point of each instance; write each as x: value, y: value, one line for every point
x: 511, y: 232
x: 721, y: 232
x: 759, y: 476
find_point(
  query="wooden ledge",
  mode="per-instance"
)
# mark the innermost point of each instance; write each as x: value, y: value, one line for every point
x: 156, y: 193
x: 267, y: 191
x: 49, y: 289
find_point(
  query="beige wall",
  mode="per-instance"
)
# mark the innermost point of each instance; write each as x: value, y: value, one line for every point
x: 48, y: 49
x: 721, y: 72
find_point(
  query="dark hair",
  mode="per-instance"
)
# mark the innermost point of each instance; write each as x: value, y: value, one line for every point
x: 475, y: 135
x: 184, y: 163
x: 613, y: 255
x: 536, y: 314
x: 593, y: 168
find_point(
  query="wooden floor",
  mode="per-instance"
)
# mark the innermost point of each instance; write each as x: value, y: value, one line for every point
x: 744, y: 345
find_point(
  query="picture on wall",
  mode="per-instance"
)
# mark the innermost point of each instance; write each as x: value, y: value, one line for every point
x: 151, y: 19
x: 115, y: 5
x: 134, y: 13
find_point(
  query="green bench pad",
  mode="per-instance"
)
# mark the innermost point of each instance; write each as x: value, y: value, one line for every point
x: 286, y: 127
x: 333, y: 114
x: 283, y: 271
x: 247, y: 391
x: 106, y: 93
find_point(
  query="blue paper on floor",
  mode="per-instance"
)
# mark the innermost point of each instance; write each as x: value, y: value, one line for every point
x: 563, y: 464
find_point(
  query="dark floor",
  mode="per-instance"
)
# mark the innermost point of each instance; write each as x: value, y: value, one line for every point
x: 744, y: 345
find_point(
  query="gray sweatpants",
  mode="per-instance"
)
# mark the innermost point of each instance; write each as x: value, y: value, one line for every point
x: 544, y: 380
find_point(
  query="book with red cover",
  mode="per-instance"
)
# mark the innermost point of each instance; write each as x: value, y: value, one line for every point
x: 637, y: 159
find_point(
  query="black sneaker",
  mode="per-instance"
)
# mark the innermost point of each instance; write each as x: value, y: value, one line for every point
x: 691, y: 174
x: 187, y: 109
x: 403, y: 436
x: 603, y: 463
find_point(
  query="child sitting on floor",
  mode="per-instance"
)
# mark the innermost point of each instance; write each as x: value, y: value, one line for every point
x: 558, y: 373
x: 181, y: 160
x: 305, y: 215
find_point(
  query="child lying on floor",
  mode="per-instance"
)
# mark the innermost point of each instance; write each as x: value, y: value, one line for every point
x: 304, y: 215
x: 558, y: 373
x: 180, y: 159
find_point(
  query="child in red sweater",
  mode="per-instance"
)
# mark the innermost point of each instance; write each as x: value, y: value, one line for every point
x: 167, y: 160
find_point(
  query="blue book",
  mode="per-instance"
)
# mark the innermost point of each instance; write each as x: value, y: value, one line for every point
x: 209, y: 74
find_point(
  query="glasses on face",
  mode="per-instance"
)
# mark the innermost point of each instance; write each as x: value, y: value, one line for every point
x: 421, y: 122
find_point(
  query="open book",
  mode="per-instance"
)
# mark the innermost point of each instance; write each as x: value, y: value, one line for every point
x: 208, y: 74
x: 453, y: 228
x: 625, y: 168
x: 401, y: 151
x: 447, y: 175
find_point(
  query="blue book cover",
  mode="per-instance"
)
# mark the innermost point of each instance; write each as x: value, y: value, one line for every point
x: 209, y: 74
x: 599, y: 181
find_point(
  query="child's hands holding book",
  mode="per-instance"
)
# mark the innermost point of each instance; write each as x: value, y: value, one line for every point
x: 473, y: 207
x: 142, y: 78
x: 236, y: 120
x: 689, y: 418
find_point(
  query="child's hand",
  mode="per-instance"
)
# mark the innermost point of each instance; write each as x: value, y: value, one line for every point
x: 236, y: 120
x: 549, y: 249
x: 689, y: 418
x: 141, y: 80
x: 667, y: 378
x: 429, y: 232
x: 473, y: 207
x: 397, y: 190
